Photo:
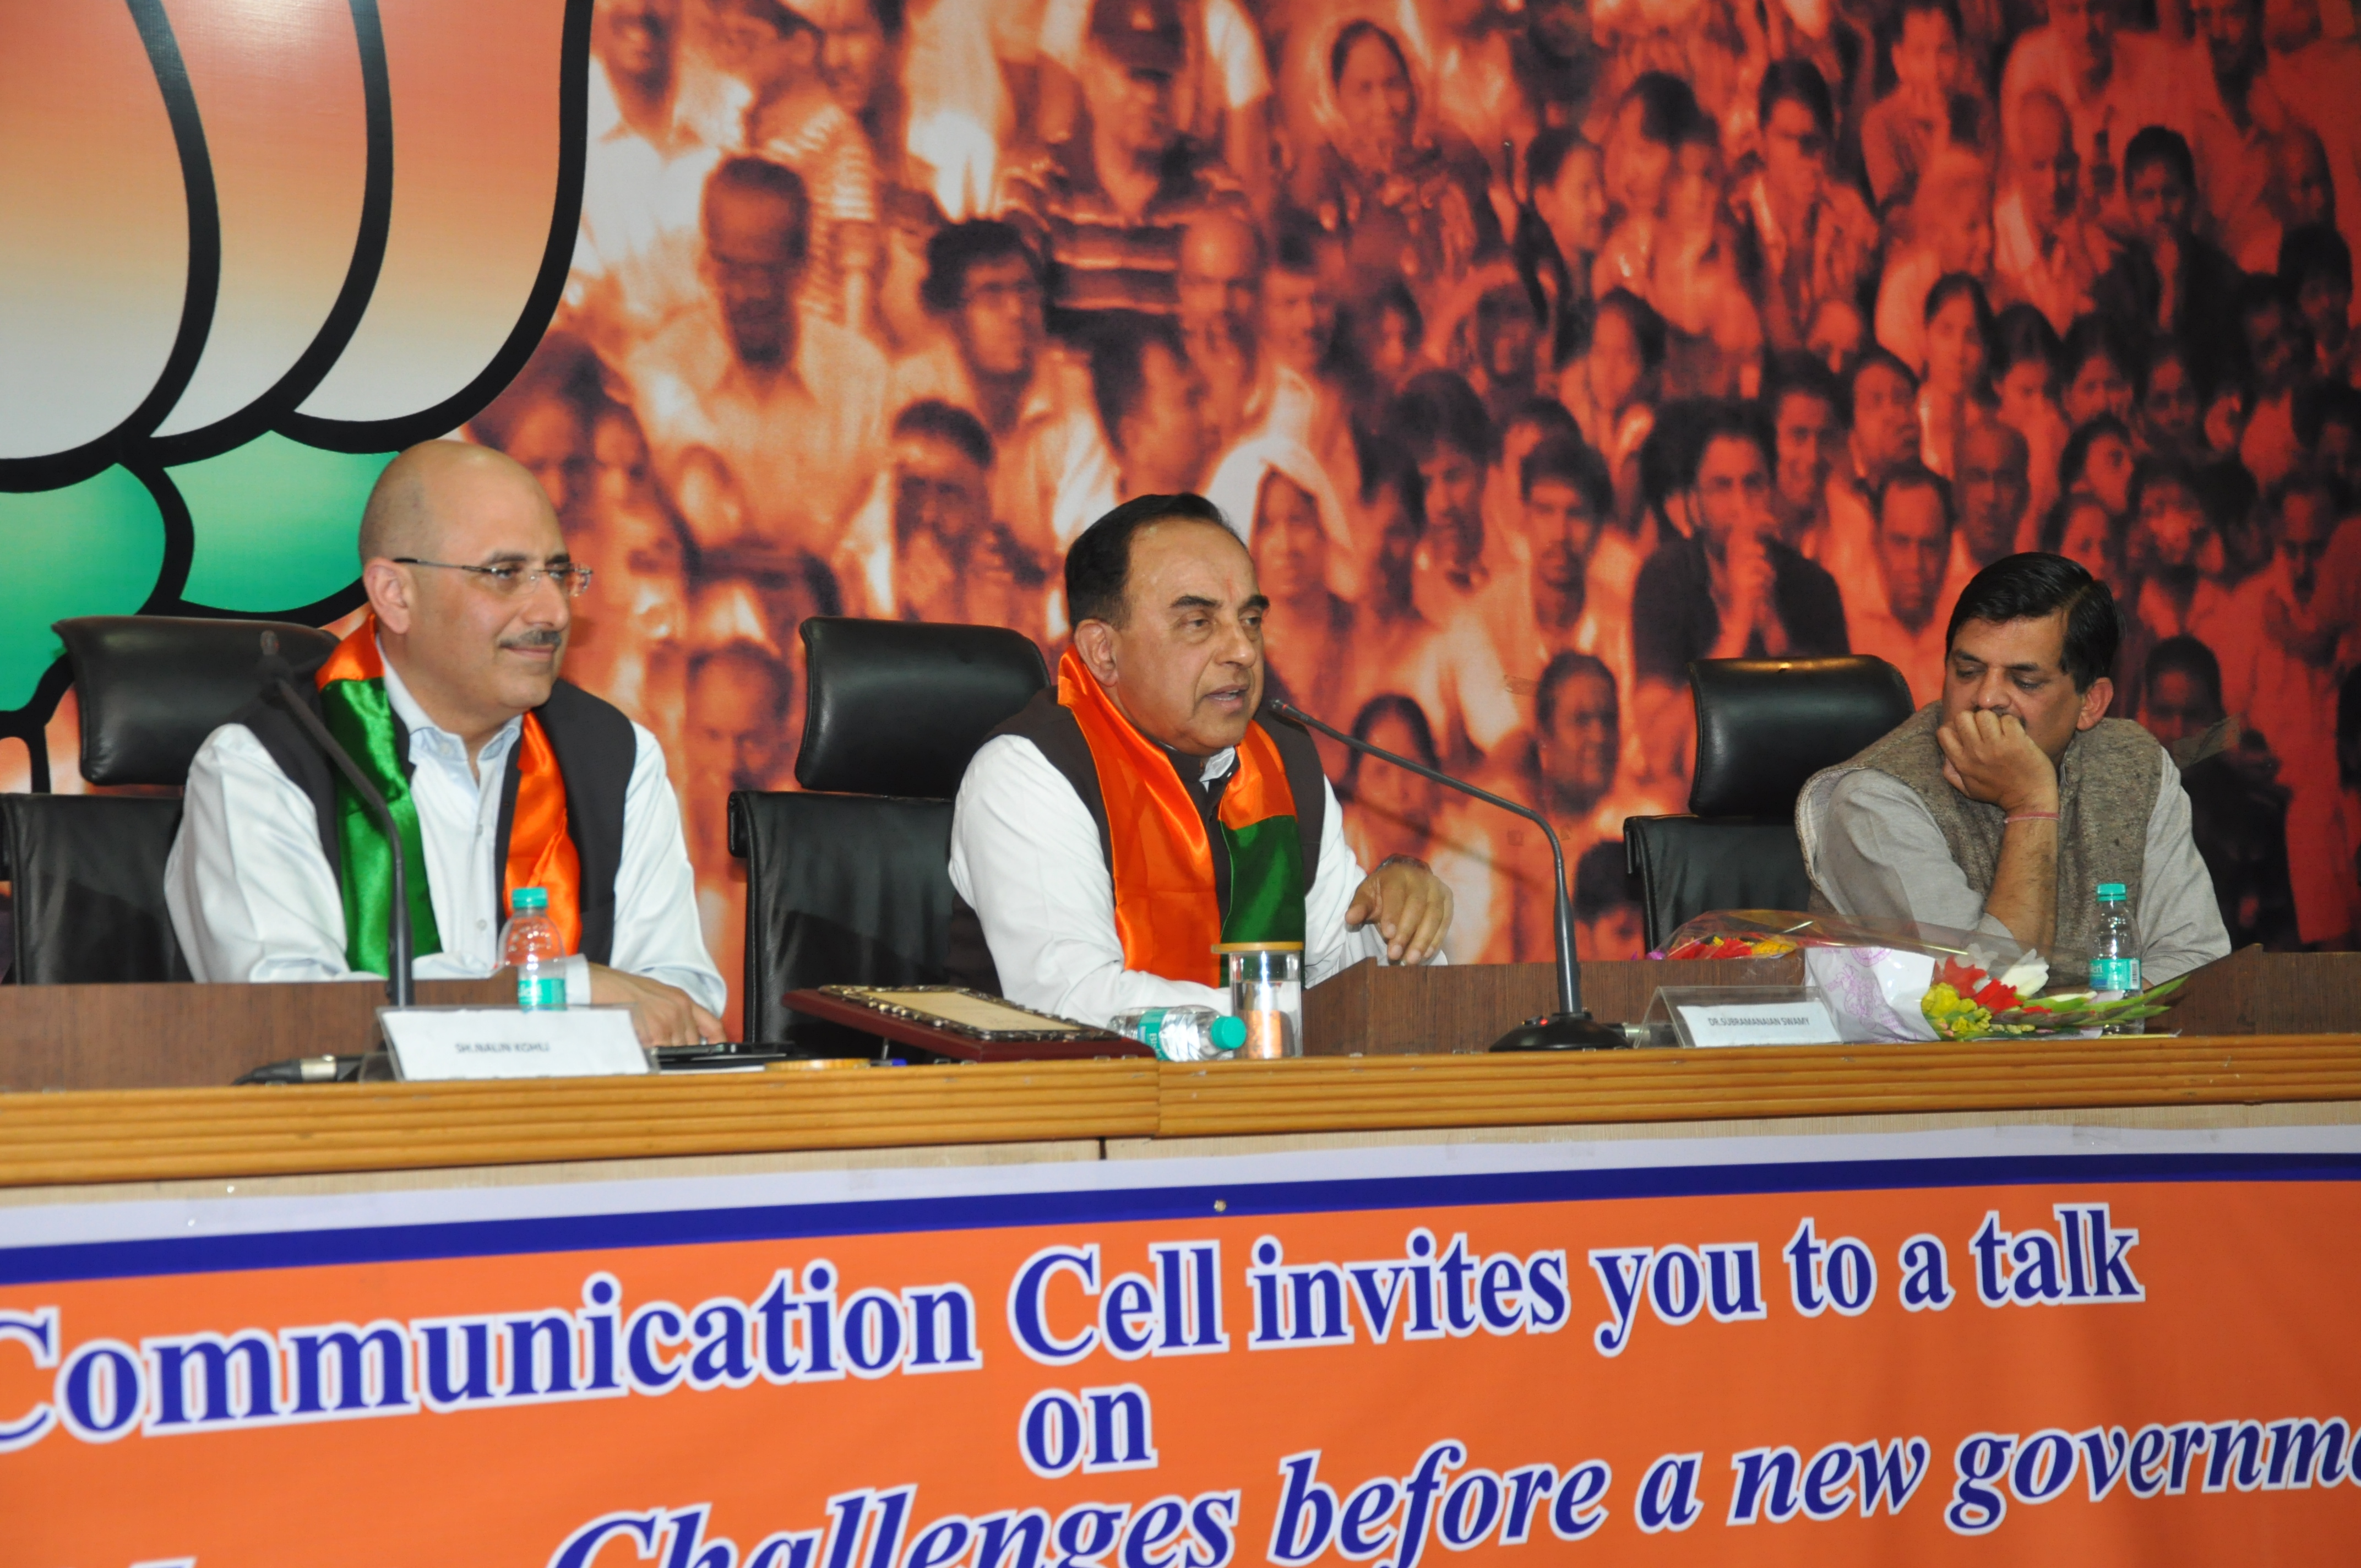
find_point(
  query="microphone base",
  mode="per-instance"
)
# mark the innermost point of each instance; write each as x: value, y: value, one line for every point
x: 1564, y: 1031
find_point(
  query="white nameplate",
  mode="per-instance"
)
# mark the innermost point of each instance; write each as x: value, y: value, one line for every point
x: 1803, y: 1022
x: 434, y: 1043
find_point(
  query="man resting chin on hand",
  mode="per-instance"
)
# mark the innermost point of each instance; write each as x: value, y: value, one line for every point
x: 2005, y: 805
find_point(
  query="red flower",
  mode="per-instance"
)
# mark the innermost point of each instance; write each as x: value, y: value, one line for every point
x: 1710, y: 947
x: 1977, y: 986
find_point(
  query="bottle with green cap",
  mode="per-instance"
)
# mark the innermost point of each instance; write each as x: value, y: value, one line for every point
x: 530, y: 944
x: 2115, y: 955
x: 1181, y: 1034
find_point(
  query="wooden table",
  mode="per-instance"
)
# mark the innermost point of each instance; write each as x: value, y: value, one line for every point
x: 2255, y: 1010
x: 172, y: 1037
x: 165, y: 1135
x: 190, y: 1037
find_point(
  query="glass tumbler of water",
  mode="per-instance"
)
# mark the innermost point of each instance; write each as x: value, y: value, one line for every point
x: 1267, y: 994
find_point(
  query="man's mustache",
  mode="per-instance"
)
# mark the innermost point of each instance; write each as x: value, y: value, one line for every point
x: 543, y: 639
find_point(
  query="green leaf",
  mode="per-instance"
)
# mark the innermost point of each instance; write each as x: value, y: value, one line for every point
x: 276, y: 523
x: 88, y: 549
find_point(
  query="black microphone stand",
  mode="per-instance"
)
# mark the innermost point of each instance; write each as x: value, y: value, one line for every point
x: 1571, y: 1027
x: 401, y: 988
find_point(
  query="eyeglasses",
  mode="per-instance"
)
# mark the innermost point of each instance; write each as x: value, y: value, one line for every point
x: 509, y: 581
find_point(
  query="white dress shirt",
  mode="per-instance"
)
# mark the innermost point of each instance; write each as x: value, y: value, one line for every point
x: 636, y: 250
x: 253, y: 899
x: 1025, y: 855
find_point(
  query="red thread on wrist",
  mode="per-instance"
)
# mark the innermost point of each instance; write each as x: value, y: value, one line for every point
x: 2030, y: 817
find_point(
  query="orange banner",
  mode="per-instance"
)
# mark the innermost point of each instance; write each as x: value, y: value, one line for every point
x: 1813, y: 1358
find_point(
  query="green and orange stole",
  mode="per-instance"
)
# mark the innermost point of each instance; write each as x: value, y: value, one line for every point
x: 360, y: 716
x: 1166, y: 908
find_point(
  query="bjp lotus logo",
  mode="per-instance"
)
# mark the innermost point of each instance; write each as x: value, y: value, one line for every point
x: 252, y: 248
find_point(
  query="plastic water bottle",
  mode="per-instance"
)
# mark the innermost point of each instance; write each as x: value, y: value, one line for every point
x: 1181, y: 1034
x: 530, y: 941
x: 2114, y: 956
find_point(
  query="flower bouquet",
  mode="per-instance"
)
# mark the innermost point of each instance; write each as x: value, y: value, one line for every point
x: 1729, y: 945
x: 1902, y: 980
x: 1968, y: 1003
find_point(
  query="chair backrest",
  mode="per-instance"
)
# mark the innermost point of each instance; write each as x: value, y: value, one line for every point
x: 841, y: 890
x: 849, y: 882
x: 898, y: 707
x: 1688, y: 865
x: 152, y: 686
x: 87, y: 875
x: 88, y: 870
x: 1764, y: 725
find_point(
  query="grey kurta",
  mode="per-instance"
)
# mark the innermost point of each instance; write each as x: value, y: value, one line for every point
x: 1875, y: 853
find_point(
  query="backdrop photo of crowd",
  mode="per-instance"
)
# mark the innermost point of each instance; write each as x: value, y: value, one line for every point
x: 1534, y: 350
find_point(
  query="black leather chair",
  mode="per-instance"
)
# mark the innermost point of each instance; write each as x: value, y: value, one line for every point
x: 848, y: 881
x: 88, y: 870
x: 1764, y: 725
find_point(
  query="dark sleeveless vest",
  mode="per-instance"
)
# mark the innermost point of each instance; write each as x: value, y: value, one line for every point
x: 596, y: 748
x: 1050, y: 726
x: 2107, y: 785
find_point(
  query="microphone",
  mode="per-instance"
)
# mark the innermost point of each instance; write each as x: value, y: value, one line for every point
x: 1571, y: 1027
x: 278, y: 674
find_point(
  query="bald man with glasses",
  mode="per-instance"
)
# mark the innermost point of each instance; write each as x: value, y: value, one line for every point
x: 499, y: 774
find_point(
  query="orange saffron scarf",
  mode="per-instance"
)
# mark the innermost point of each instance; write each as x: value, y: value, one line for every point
x: 1165, y: 909
x: 354, y: 703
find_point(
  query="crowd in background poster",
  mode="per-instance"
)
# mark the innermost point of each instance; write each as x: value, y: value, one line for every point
x: 874, y: 305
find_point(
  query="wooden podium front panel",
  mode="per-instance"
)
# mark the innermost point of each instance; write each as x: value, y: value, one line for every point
x: 1376, y: 1009
x: 2255, y: 993
x: 194, y: 1037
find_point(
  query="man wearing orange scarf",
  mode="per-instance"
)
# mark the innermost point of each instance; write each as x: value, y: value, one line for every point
x: 1108, y: 836
x: 499, y: 775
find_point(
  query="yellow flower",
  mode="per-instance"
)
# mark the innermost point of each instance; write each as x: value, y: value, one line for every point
x: 1951, y: 1015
